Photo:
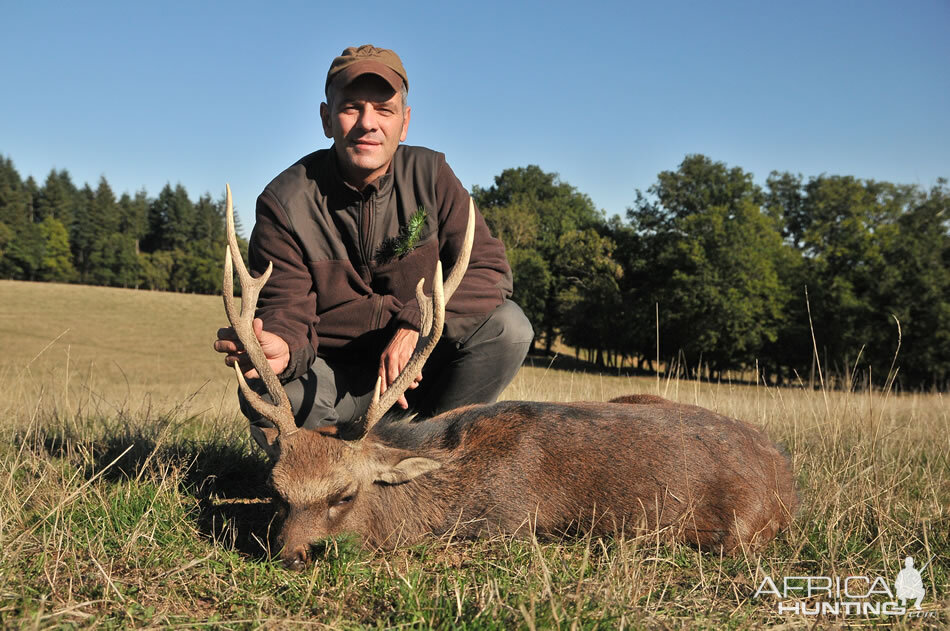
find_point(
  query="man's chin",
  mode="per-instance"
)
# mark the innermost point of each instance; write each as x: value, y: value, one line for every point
x: 364, y: 162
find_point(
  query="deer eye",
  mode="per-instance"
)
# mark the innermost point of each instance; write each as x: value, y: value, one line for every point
x: 342, y: 500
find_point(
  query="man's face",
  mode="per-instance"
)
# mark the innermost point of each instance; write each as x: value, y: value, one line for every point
x: 367, y: 121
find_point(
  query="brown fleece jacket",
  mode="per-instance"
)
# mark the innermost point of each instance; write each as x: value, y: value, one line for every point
x: 331, y: 293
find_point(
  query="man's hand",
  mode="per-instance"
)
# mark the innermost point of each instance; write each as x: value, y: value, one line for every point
x: 394, y: 359
x: 275, y: 349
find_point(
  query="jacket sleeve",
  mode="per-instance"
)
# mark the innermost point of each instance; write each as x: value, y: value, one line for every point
x: 487, y: 281
x: 288, y: 302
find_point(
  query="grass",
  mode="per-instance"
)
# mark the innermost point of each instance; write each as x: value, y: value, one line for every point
x: 130, y: 497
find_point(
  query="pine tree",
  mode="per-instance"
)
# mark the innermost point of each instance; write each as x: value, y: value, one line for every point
x: 133, y: 216
x: 14, y: 208
x: 82, y: 232
x: 105, y: 210
x: 171, y: 220
x: 57, y: 198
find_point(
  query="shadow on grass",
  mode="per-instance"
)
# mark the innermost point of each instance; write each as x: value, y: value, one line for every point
x: 229, y: 484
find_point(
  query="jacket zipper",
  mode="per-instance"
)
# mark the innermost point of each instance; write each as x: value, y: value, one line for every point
x: 366, y: 238
x: 366, y: 231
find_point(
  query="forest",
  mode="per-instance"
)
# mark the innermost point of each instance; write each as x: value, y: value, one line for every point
x: 829, y: 278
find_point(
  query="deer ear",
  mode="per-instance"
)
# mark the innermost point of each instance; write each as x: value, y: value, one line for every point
x: 266, y: 437
x: 406, y: 469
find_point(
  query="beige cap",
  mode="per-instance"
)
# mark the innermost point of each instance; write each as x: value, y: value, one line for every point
x: 355, y: 61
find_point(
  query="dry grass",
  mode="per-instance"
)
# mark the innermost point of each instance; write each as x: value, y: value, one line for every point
x: 93, y: 347
x: 129, y: 496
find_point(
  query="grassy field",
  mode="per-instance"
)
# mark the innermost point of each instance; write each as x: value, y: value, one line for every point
x: 131, y: 497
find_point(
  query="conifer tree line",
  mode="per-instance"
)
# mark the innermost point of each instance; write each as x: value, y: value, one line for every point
x: 62, y: 233
x: 708, y: 272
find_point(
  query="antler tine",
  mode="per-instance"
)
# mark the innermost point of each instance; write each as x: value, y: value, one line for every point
x: 430, y: 330
x: 381, y: 404
x: 461, y: 263
x: 433, y: 319
x: 281, y: 414
x: 425, y: 309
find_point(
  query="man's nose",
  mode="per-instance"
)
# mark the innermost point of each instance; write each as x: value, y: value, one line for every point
x: 368, y: 119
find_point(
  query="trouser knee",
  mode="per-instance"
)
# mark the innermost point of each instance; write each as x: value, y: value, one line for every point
x: 515, y: 328
x: 478, y: 367
x: 507, y: 333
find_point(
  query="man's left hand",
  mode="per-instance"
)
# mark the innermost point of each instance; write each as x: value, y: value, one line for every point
x: 394, y: 359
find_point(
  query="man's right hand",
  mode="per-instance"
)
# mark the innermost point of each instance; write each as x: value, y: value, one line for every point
x: 275, y: 349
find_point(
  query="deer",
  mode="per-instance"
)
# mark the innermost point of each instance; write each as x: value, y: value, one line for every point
x: 636, y: 464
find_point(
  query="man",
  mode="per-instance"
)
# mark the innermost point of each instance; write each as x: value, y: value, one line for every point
x: 350, y: 231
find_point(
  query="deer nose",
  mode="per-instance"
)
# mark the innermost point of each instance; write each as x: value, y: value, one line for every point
x: 297, y: 559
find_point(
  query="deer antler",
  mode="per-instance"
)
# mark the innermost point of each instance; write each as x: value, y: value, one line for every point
x: 281, y: 414
x: 433, y: 319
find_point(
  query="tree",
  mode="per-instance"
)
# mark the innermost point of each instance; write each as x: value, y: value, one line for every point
x: 848, y: 224
x: 56, y: 264
x: 115, y: 262
x: 208, y: 225
x: 590, y: 297
x: 57, y: 198
x: 713, y: 255
x: 534, y: 209
x: 105, y: 211
x: 171, y: 219
x: 14, y: 205
x: 156, y: 269
x: 917, y: 293
x: 24, y: 254
x: 532, y: 282
x: 785, y: 202
x: 133, y: 216
x: 82, y: 232
x: 199, y: 268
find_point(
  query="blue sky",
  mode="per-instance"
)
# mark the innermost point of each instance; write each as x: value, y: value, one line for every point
x: 607, y: 94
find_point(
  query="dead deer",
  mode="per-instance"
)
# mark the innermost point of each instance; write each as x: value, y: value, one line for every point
x: 635, y: 463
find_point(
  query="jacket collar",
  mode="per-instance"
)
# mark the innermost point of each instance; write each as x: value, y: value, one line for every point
x: 380, y: 187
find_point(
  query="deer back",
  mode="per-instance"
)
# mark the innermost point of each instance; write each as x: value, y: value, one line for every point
x: 608, y: 466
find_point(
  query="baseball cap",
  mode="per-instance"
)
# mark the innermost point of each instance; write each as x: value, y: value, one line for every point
x: 358, y: 60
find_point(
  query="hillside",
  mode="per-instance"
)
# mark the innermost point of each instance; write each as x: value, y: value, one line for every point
x: 111, y: 346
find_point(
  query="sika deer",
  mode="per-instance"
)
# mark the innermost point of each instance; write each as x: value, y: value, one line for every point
x: 638, y: 462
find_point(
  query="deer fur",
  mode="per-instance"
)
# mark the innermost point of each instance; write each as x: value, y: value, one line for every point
x: 638, y: 462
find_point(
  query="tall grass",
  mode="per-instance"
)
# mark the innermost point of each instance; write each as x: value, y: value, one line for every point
x: 130, y: 496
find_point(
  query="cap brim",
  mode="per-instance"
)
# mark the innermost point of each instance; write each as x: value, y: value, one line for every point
x: 348, y: 74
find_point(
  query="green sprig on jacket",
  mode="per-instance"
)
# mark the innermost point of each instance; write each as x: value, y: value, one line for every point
x: 400, y: 246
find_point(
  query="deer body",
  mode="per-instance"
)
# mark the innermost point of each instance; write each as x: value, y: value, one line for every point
x: 637, y: 462
x: 554, y: 468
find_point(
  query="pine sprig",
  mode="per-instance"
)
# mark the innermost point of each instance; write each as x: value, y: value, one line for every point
x: 400, y: 246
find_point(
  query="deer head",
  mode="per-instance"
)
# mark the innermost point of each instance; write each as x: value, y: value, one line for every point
x: 322, y: 482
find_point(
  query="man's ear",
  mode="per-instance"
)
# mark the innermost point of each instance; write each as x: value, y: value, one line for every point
x: 325, y: 118
x: 405, y: 124
x: 405, y: 470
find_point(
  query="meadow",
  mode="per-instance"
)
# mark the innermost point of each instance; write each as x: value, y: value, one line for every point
x: 130, y: 496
